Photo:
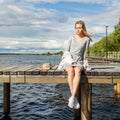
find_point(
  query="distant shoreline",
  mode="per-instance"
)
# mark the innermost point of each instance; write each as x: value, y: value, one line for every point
x: 48, y: 53
x: 19, y: 54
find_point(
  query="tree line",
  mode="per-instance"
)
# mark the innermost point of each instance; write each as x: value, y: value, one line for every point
x: 113, y: 42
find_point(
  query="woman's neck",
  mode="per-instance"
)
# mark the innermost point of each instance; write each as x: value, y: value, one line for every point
x: 78, y: 37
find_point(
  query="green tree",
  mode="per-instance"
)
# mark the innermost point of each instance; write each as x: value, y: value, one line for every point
x: 113, y: 42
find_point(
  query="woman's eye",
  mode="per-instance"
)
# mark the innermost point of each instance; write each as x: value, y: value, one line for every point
x: 78, y: 28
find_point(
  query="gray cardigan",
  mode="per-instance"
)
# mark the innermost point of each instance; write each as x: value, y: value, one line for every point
x: 75, y: 52
x: 77, y: 49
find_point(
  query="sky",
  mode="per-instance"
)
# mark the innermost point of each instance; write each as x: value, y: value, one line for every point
x: 39, y: 26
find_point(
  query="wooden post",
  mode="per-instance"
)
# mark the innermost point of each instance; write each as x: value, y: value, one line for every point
x: 117, y: 90
x: 90, y: 101
x: 6, y: 99
x: 85, y: 98
x: 78, y: 112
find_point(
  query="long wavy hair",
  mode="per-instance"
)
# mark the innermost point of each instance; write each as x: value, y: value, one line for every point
x: 84, y: 28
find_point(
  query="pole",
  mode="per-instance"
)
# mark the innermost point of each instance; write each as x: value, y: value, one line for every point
x: 6, y: 99
x: 106, y: 44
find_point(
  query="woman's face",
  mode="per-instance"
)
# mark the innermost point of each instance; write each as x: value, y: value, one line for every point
x: 78, y: 29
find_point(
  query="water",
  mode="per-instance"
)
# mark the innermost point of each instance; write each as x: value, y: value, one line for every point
x: 35, y: 101
x: 28, y: 59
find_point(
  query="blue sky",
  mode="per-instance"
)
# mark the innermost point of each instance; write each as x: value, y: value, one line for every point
x: 36, y: 26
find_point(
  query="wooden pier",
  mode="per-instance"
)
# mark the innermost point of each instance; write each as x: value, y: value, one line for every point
x: 100, y: 73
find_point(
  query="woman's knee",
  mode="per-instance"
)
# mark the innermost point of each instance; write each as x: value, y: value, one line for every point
x: 70, y: 69
x: 78, y: 70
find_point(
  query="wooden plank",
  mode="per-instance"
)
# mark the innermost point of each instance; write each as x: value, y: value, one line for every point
x: 7, y: 67
x: 50, y: 72
x: 39, y: 79
x: 3, y: 66
x: 56, y: 73
x: 55, y: 79
x: 22, y: 68
x: 25, y: 68
x: 18, y: 80
x: 35, y: 68
x: 116, y: 80
x: 100, y: 80
x: 4, y: 79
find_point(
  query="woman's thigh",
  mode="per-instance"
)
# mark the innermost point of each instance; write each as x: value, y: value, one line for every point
x: 69, y: 69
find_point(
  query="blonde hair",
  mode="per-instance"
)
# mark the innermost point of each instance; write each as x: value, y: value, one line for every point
x: 84, y: 28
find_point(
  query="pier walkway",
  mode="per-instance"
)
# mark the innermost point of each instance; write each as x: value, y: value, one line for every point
x: 116, y: 60
x: 100, y: 73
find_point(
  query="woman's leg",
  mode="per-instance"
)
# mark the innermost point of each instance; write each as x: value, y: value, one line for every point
x: 76, y: 80
x: 71, y: 74
x: 73, y: 81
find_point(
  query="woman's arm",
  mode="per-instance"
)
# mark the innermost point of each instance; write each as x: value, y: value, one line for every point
x: 86, y: 49
x: 68, y: 44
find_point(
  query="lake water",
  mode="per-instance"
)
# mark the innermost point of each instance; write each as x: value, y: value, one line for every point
x: 35, y: 101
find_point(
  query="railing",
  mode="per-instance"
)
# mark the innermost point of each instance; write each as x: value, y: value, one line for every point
x: 114, y: 54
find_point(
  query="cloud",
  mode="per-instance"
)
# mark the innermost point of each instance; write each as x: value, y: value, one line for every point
x: 15, y: 8
x: 27, y: 23
x: 26, y: 44
x: 78, y: 1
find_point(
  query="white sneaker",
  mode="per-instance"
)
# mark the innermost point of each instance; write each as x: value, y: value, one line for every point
x: 73, y: 103
x: 76, y: 104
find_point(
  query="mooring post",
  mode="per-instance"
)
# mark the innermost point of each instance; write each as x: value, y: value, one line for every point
x: 78, y: 112
x: 90, y: 101
x: 85, y: 98
x: 86, y: 101
x: 6, y: 99
x: 117, y: 90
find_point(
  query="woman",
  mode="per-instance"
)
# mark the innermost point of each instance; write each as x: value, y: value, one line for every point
x: 77, y: 47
